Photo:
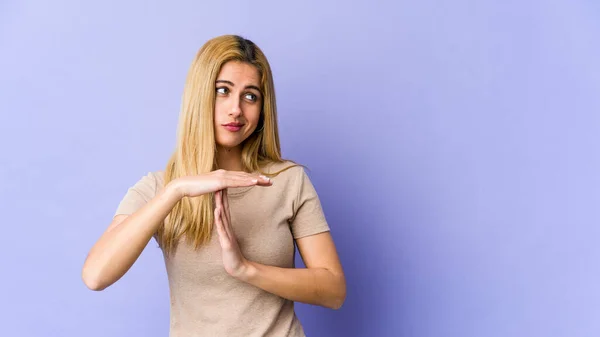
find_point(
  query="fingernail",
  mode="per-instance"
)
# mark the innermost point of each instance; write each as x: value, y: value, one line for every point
x: 265, y: 178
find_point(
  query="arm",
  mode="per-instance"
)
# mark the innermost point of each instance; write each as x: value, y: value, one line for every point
x: 321, y: 283
x: 124, y: 240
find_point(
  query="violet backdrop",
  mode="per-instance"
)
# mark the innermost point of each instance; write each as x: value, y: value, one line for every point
x: 454, y: 145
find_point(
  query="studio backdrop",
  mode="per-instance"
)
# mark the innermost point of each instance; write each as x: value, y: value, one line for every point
x: 454, y: 145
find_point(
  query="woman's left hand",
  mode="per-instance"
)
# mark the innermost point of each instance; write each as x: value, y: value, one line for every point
x: 233, y: 260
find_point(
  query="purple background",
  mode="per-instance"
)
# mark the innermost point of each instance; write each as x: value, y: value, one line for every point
x: 454, y: 145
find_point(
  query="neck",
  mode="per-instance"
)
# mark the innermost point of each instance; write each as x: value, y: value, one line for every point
x: 229, y: 159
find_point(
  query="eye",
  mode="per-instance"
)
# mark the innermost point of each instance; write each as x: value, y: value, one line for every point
x: 251, y: 97
x: 223, y: 90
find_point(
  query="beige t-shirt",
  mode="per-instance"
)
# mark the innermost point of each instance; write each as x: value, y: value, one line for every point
x: 205, y: 300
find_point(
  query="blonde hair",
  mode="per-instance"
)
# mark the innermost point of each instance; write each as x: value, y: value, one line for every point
x: 195, y: 148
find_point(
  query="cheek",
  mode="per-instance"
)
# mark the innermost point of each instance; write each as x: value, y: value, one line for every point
x: 252, y: 114
x: 218, y: 108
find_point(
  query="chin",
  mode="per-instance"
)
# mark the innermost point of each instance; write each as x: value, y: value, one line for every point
x: 229, y: 143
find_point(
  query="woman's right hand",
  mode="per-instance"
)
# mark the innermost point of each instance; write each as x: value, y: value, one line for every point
x: 193, y: 186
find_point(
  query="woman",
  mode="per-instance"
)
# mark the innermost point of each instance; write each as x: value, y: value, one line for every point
x: 227, y: 210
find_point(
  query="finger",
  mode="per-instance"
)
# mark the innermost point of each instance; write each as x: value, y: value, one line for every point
x: 244, y: 175
x: 218, y: 199
x: 246, y: 179
x: 247, y: 182
x: 218, y: 224
x: 265, y: 181
x: 226, y: 224
x: 226, y: 206
x: 240, y: 181
x: 223, y: 237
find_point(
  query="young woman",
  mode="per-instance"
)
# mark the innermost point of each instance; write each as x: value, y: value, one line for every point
x: 227, y: 211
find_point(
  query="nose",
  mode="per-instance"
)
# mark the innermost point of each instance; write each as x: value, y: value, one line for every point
x: 235, y: 109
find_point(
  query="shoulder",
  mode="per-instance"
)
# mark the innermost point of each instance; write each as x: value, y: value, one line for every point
x: 158, y: 177
x: 148, y: 184
x: 290, y: 178
x: 140, y: 192
x: 154, y: 177
x: 287, y: 171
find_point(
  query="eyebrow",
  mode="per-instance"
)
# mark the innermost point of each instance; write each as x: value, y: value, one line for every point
x: 233, y: 85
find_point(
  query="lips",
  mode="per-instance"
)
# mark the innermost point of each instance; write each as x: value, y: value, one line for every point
x: 233, y: 126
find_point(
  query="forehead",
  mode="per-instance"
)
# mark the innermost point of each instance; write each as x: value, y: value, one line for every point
x: 239, y: 73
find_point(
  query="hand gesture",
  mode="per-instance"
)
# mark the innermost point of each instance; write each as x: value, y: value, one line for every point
x: 193, y: 186
x: 233, y: 260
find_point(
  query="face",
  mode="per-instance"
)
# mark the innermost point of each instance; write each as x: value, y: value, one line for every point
x: 238, y: 103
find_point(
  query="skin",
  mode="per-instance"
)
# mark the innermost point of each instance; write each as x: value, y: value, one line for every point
x: 238, y: 101
x: 321, y: 283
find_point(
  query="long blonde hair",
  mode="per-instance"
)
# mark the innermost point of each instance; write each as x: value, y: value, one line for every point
x: 195, y: 148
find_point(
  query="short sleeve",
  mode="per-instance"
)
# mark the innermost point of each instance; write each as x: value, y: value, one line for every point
x: 138, y: 195
x: 309, y: 217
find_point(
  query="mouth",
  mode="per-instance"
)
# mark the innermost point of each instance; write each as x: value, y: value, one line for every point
x: 233, y: 126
